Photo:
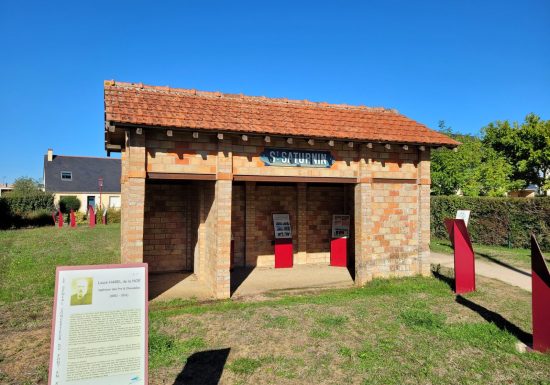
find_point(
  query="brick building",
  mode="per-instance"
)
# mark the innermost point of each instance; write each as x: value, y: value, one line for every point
x: 202, y: 171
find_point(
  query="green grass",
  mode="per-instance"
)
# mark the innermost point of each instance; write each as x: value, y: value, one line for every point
x: 519, y: 258
x: 396, y: 331
x: 28, y: 258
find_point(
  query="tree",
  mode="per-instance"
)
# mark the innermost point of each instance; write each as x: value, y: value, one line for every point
x: 526, y: 148
x: 68, y: 202
x: 473, y: 169
x: 25, y: 186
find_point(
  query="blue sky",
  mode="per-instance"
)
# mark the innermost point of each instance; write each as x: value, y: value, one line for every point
x: 463, y: 61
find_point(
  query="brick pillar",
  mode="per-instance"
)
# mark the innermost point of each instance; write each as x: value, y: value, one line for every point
x: 424, y: 184
x: 363, y: 221
x: 221, y: 259
x: 301, y: 224
x: 250, y: 224
x: 133, y: 198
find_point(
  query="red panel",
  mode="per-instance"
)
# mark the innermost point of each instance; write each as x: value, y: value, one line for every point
x: 73, y: 219
x: 339, y: 252
x: 541, y: 298
x: 465, y: 275
x: 91, y: 215
x: 60, y: 220
x: 283, y: 252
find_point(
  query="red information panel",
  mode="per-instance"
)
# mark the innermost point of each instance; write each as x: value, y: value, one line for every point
x: 283, y: 240
x: 339, y: 252
x: 283, y: 252
x: 339, y: 241
x: 465, y: 275
x: 541, y: 299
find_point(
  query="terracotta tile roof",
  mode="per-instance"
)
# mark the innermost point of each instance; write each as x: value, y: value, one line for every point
x: 130, y: 103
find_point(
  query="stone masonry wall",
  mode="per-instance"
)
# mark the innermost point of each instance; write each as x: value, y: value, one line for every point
x: 389, y: 202
x: 322, y: 202
x: 169, y: 233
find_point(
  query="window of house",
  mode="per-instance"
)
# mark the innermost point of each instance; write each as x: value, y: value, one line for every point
x: 66, y: 175
x: 114, y: 201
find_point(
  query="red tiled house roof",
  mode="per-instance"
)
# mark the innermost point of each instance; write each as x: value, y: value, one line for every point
x: 136, y: 104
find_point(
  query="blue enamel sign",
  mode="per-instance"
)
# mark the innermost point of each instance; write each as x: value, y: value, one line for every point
x: 296, y: 158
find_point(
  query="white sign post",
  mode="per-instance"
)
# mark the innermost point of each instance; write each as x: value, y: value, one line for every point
x: 463, y: 214
x: 100, y: 325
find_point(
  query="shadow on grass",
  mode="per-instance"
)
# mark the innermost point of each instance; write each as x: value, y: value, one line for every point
x: 499, y: 321
x: 203, y: 368
x: 450, y: 281
x: 503, y: 264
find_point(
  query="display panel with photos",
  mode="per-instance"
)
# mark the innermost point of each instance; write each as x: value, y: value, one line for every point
x: 281, y: 226
x: 340, y: 226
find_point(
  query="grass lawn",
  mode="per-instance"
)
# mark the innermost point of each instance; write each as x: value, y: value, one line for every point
x: 519, y: 258
x: 399, y: 331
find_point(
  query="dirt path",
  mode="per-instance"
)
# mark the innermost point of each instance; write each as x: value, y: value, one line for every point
x: 508, y: 274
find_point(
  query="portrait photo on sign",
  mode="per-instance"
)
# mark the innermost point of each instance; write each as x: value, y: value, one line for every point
x: 81, y: 291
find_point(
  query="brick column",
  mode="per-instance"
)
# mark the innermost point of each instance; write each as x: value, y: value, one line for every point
x: 424, y: 184
x: 301, y: 224
x: 133, y: 198
x: 363, y: 221
x: 221, y: 259
x: 250, y: 223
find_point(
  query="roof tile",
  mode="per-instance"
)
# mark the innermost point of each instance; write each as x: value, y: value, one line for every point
x: 129, y: 103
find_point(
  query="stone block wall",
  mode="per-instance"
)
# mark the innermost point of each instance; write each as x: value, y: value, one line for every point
x: 170, y: 232
x: 388, y: 200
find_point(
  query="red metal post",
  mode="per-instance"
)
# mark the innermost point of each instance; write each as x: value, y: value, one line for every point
x: 100, y: 183
x: 540, y: 278
x: 91, y: 216
x: 465, y: 275
x: 60, y: 219
x: 73, y: 219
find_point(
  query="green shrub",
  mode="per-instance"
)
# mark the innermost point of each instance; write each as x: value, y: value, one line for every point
x: 68, y: 202
x: 17, y: 210
x: 113, y: 215
x: 18, y: 204
x: 80, y: 218
x: 38, y: 218
x: 496, y: 221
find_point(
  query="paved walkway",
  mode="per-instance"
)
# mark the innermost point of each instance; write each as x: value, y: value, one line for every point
x: 251, y: 281
x: 505, y: 273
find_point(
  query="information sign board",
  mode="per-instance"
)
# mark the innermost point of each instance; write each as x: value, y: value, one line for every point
x: 340, y: 226
x: 281, y: 225
x: 464, y: 215
x: 100, y: 325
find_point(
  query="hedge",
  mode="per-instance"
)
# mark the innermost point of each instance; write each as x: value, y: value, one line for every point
x: 26, y: 210
x: 496, y: 221
x: 18, y: 204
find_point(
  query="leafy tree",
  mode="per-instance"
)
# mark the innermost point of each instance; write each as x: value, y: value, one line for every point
x: 25, y: 186
x: 472, y: 169
x: 526, y: 147
x: 68, y: 202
